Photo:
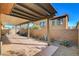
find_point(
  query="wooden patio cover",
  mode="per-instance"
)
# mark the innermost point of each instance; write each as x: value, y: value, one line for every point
x: 28, y: 11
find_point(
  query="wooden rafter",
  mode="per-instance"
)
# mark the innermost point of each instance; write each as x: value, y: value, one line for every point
x: 52, y: 10
x: 38, y: 19
x: 19, y: 16
x: 26, y: 16
x: 26, y: 12
x: 39, y: 5
x: 30, y: 9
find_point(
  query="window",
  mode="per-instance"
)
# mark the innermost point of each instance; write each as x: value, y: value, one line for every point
x: 53, y: 22
x: 42, y: 23
x: 57, y: 22
x: 60, y: 21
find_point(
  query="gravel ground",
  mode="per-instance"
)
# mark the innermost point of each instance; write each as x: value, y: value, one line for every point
x: 67, y: 51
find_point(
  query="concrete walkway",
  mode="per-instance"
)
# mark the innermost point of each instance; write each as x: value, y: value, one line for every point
x: 21, y: 45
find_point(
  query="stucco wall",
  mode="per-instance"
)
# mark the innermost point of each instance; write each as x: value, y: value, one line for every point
x: 0, y: 34
x: 43, y: 30
x: 78, y: 35
x: 39, y: 32
x: 60, y: 32
x: 64, y: 34
x: 64, y: 25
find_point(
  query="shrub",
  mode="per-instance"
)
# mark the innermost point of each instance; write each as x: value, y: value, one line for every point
x: 65, y: 43
x: 35, y: 27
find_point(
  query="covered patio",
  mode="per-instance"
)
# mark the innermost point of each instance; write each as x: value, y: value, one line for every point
x: 19, y: 14
x: 26, y: 13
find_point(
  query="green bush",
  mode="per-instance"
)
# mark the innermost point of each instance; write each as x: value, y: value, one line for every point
x: 35, y: 27
x: 65, y: 43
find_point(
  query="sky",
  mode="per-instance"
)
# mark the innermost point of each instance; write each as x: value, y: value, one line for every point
x: 72, y: 9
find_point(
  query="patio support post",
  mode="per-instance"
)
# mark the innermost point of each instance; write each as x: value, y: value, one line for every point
x: 28, y: 29
x: 48, y: 30
x: 20, y: 26
x: 15, y: 28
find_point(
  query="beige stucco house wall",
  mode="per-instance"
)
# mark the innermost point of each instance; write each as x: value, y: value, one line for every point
x: 64, y: 24
x: 78, y: 34
x: 59, y: 32
x: 43, y: 30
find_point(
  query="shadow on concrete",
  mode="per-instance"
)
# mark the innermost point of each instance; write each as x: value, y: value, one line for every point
x: 29, y: 44
x: 5, y: 39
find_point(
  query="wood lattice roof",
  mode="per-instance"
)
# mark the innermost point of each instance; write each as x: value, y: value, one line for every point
x: 29, y: 11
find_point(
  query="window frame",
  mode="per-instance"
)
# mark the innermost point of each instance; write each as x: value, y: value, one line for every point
x: 42, y: 24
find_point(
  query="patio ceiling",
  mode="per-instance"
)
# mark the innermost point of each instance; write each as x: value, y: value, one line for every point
x: 33, y: 11
x: 6, y: 19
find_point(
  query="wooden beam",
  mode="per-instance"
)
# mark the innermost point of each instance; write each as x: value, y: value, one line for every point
x: 20, y: 16
x: 17, y: 16
x: 39, y: 19
x: 25, y: 16
x: 24, y: 23
x: 26, y: 12
x: 52, y: 10
x: 22, y: 13
x: 25, y: 6
x: 39, y: 5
